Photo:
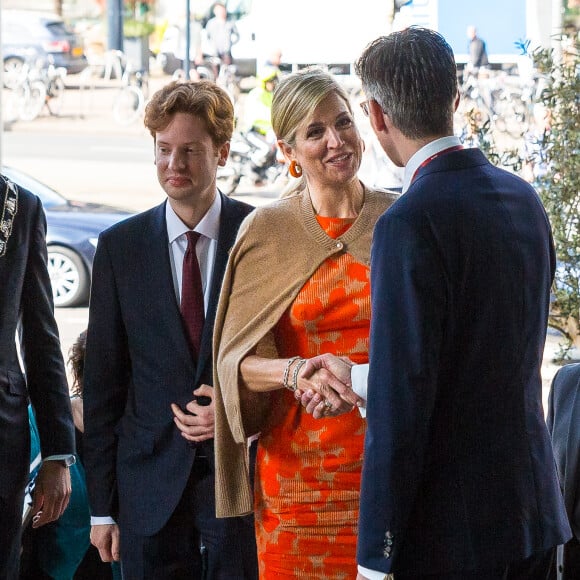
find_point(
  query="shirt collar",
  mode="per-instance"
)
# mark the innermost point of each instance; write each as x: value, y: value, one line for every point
x: 424, y: 153
x: 208, y: 226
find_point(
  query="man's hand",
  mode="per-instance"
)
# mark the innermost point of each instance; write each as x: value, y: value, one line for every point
x: 105, y: 537
x: 325, y: 388
x: 51, y: 493
x: 198, y: 423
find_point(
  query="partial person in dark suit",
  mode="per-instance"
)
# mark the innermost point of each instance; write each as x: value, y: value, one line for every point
x: 458, y: 477
x: 29, y: 335
x: 148, y: 372
x: 564, y: 426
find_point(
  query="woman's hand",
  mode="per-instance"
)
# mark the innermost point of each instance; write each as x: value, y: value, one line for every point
x: 324, y: 387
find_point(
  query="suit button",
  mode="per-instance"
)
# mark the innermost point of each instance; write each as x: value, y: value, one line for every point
x: 339, y: 245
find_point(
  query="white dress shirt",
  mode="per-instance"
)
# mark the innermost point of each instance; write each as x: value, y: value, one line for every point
x: 360, y: 373
x: 206, y: 247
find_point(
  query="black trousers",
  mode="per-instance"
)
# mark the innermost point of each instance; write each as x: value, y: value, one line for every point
x: 539, y: 566
x: 194, y: 544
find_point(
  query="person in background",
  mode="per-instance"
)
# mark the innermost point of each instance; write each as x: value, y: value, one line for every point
x: 31, y: 371
x: 221, y: 35
x: 91, y: 567
x: 477, y: 52
x: 62, y: 549
x: 195, y: 43
x: 564, y: 426
x: 297, y: 284
x: 274, y: 59
x: 148, y: 366
x: 258, y: 103
x: 256, y: 122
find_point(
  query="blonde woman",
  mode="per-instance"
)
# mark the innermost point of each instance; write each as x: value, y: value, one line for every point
x: 296, y: 286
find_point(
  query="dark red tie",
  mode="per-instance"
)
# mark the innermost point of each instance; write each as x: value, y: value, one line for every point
x: 192, y: 308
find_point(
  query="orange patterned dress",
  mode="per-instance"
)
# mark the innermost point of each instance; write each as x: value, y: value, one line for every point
x: 308, y: 471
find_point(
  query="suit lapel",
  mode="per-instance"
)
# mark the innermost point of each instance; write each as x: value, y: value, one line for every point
x: 158, y: 276
x: 230, y: 220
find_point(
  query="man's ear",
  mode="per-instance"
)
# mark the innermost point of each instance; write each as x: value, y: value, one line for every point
x: 223, y: 153
x: 376, y: 117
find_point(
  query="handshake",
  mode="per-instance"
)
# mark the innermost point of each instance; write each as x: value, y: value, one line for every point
x: 324, y: 387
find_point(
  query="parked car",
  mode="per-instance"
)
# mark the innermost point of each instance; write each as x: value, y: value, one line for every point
x: 30, y: 36
x: 73, y: 228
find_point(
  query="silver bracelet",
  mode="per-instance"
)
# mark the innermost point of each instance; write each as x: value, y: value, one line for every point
x: 299, y: 365
x: 287, y: 372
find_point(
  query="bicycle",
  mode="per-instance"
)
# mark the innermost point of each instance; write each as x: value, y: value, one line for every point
x: 196, y: 72
x: 27, y: 96
x: 129, y: 105
x: 225, y: 76
x: 228, y: 80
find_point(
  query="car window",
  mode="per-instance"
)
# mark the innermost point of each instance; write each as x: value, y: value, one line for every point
x: 47, y: 195
x: 58, y: 29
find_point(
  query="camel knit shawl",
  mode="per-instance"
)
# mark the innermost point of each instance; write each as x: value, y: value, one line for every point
x: 278, y: 248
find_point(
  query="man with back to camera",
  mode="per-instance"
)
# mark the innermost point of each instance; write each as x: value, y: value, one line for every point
x: 147, y: 350
x: 458, y: 477
x: 27, y: 316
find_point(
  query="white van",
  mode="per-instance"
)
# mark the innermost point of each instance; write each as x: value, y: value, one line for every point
x: 307, y: 32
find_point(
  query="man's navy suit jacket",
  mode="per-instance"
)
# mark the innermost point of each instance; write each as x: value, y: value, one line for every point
x: 458, y: 471
x: 139, y: 362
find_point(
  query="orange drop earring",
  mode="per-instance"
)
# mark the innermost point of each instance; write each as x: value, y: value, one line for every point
x: 295, y: 169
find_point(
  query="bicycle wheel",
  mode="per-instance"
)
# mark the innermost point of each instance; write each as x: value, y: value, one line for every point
x: 128, y: 105
x: 55, y: 95
x: 36, y: 100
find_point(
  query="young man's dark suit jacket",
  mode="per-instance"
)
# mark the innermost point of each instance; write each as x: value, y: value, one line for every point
x: 458, y: 471
x: 26, y: 297
x: 138, y: 362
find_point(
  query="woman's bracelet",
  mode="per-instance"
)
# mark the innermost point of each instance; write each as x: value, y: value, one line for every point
x: 297, y: 368
x: 287, y: 372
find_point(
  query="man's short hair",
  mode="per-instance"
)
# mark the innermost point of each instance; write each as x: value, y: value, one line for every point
x: 202, y: 98
x: 412, y: 75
